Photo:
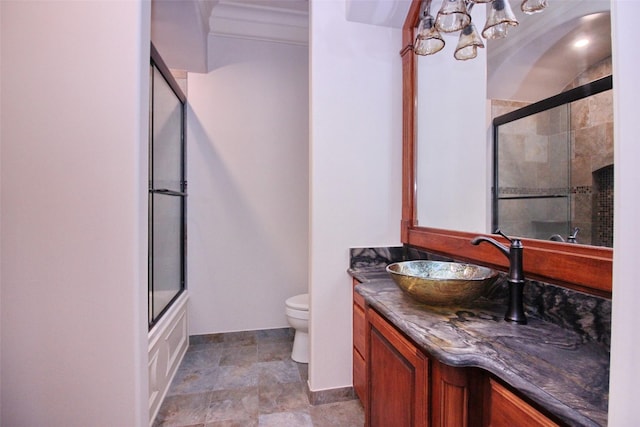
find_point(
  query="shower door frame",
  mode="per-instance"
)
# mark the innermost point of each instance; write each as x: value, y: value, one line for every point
x: 157, y: 62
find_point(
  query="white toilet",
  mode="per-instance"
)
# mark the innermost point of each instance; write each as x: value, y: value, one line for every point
x: 297, y: 310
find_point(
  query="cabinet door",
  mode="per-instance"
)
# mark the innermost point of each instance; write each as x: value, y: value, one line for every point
x: 508, y: 410
x: 456, y: 396
x: 398, y: 377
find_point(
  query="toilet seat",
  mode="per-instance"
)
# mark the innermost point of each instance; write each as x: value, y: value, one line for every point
x: 298, y: 302
x: 297, y: 314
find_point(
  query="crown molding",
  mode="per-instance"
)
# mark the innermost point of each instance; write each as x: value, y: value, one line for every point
x: 259, y: 22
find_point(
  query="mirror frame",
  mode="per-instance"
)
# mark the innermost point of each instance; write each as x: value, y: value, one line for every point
x: 580, y: 267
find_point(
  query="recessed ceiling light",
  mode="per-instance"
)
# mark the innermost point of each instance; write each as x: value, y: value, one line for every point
x: 581, y: 43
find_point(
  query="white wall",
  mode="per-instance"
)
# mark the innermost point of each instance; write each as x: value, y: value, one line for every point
x: 451, y: 152
x: 73, y: 173
x: 625, y: 340
x: 1, y: 214
x: 355, y: 175
x: 248, y: 185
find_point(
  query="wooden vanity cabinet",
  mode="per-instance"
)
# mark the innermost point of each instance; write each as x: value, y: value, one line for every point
x: 407, y: 388
x: 359, y: 365
x: 506, y: 409
x: 456, y: 396
x: 398, y: 375
x: 400, y: 385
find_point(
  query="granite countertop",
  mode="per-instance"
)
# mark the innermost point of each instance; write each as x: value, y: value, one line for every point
x: 554, y: 367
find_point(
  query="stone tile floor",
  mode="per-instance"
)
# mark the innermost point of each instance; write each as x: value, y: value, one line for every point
x: 247, y: 379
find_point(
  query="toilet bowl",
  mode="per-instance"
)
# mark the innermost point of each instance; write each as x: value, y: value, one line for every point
x: 297, y: 311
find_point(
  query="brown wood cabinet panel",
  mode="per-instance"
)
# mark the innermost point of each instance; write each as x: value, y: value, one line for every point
x: 359, y: 376
x: 398, y: 377
x: 450, y: 396
x: 401, y: 385
x: 508, y: 410
x: 359, y: 365
x: 359, y: 350
x: 358, y: 300
x: 358, y: 329
x: 456, y: 396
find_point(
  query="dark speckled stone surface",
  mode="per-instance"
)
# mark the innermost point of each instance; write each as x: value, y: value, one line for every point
x: 587, y: 315
x: 554, y: 366
x: 369, y: 258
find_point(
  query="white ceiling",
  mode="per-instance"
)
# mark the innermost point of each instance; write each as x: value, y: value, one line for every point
x: 536, y: 60
x: 179, y: 30
x: 386, y: 13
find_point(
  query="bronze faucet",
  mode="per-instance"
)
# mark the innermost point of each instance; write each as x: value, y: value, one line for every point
x: 515, y: 310
x: 572, y: 238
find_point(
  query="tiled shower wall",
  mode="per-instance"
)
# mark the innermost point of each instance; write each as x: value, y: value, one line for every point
x: 603, y: 207
x: 592, y: 150
x: 591, y: 153
x: 534, y: 162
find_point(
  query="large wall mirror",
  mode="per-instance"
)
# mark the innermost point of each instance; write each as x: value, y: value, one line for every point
x: 447, y: 194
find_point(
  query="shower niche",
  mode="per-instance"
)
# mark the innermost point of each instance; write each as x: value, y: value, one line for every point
x: 553, y: 167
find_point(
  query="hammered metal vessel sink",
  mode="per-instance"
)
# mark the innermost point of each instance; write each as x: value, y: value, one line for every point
x: 441, y: 283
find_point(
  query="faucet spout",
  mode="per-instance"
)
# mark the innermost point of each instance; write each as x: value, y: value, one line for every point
x: 515, y: 311
x: 502, y: 248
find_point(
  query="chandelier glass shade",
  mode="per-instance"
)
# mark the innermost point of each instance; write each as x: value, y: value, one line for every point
x: 500, y: 18
x: 453, y: 16
x: 468, y: 43
x: 428, y: 40
x: 533, y: 6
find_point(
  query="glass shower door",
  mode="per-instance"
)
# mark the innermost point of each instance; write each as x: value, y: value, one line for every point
x: 533, y: 181
x: 167, y: 193
x: 553, y: 167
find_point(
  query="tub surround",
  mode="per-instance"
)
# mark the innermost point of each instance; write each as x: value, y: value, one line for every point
x: 560, y: 360
x: 168, y: 342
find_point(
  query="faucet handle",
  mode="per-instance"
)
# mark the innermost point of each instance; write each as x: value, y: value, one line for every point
x: 573, y: 238
x: 503, y: 235
x: 514, y: 242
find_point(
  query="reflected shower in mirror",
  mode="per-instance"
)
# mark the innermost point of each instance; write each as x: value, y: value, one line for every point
x: 553, y: 167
